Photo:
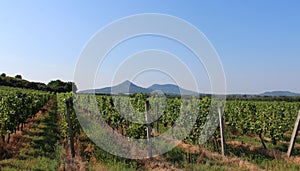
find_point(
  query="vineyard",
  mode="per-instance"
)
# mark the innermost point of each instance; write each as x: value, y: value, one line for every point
x: 263, y: 119
x: 257, y: 133
x: 16, y: 106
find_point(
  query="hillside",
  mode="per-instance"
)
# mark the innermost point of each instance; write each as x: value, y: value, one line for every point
x: 279, y: 93
x: 19, y: 82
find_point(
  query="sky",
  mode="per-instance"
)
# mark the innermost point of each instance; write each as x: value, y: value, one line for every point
x: 257, y: 41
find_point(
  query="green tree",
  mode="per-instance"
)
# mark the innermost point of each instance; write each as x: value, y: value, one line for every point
x: 60, y: 86
x: 18, y: 76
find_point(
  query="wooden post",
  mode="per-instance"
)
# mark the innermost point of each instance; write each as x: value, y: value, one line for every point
x: 128, y: 114
x: 156, y: 113
x: 223, y: 143
x: 148, y: 129
x: 68, y: 101
x: 294, y: 135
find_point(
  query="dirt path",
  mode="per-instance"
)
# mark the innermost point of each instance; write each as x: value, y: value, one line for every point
x: 72, y: 164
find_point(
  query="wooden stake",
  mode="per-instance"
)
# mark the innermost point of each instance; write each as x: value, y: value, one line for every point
x: 70, y: 128
x: 223, y: 143
x: 148, y: 129
x: 294, y: 135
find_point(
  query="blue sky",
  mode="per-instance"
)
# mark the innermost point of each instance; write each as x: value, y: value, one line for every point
x: 257, y: 41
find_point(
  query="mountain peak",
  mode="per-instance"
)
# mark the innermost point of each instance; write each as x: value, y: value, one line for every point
x: 126, y: 87
x: 125, y: 83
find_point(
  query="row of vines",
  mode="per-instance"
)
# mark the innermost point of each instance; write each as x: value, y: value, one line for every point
x: 127, y: 116
x: 16, y: 105
x: 263, y: 119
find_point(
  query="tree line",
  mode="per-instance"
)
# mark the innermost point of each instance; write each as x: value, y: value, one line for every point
x: 53, y: 86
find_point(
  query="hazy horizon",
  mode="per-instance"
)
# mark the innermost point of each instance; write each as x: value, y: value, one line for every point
x: 169, y: 83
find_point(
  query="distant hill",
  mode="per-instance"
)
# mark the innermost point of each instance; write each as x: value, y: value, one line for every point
x: 171, y: 89
x: 279, y: 93
x: 128, y: 87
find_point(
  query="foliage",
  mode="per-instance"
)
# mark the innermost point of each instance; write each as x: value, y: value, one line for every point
x: 62, y: 99
x: 266, y: 119
x: 16, y: 105
x: 127, y: 113
x: 21, y: 83
x: 54, y: 86
x: 59, y: 86
x: 18, y: 76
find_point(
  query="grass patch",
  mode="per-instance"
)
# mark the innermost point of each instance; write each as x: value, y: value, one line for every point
x: 110, y: 162
x: 260, y: 157
x: 187, y: 161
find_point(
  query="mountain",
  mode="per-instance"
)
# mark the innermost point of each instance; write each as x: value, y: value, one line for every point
x: 171, y: 89
x: 128, y: 87
x: 279, y: 93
